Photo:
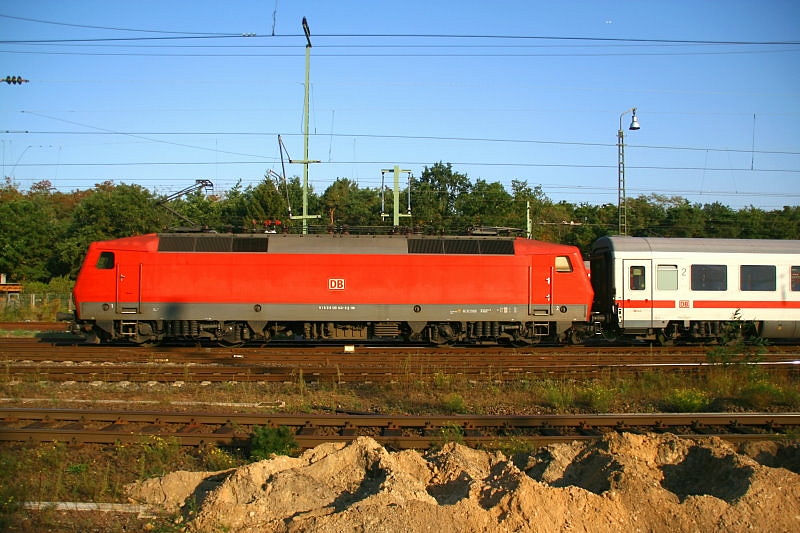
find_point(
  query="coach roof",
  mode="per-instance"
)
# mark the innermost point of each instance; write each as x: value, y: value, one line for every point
x: 684, y: 245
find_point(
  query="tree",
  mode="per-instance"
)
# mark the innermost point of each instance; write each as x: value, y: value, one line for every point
x: 720, y: 222
x: 434, y: 197
x: 201, y: 209
x: 109, y: 212
x: 346, y: 204
x: 28, y: 228
x: 485, y: 204
x: 684, y: 220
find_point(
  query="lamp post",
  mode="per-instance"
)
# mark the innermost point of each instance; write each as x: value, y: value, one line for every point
x: 621, y: 207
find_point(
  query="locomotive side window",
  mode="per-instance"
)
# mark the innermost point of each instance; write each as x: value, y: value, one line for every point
x: 637, y: 280
x: 796, y: 278
x: 105, y: 261
x: 563, y: 264
x: 667, y: 277
x: 757, y: 277
x: 709, y: 277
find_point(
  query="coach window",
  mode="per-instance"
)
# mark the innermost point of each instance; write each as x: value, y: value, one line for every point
x: 796, y: 278
x: 563, y: 264
x: 667, y: 277
x: 637, y: 278
x: 757, y: 278
x: 709, y: 277
x: 105, y: 261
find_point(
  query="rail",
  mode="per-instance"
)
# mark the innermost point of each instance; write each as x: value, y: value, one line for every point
x: 193, y: 429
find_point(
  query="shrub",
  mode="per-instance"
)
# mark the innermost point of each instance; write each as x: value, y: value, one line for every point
x: 266, y: 442
x: 455, y: 403
x: 686, y: 401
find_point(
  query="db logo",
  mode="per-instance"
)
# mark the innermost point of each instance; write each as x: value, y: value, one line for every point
x: 336, y: 284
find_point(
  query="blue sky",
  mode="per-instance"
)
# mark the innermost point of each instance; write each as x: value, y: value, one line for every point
x: 163, y: 93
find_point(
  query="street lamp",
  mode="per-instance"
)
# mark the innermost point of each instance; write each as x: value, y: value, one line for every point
x: 621, y: 207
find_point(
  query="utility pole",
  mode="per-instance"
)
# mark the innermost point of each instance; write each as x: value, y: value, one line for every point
x: 396, y: 195
x: 305, y: 161
x: 528, y: 225
x: 622, y: 202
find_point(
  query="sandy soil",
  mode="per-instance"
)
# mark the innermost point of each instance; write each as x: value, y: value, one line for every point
x: 625, y: 482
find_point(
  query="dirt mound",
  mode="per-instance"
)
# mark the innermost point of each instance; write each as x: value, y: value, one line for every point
x: 624, y: 482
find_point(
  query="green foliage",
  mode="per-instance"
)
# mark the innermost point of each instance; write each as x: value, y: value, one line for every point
x: 454, y: 403
x: 57, y: 285
x: 266, y: 442
x: 762, y: 394
x: 158, y: 454
x: 597, y: 397
x: 737, y: 345
x: 686, y: 400
x: 214, y: 458
x: 558, y: 394
x: 452, y: 433
x: 44, y: 233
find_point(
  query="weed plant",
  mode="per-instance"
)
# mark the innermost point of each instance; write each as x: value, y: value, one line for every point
x: 268, y: 441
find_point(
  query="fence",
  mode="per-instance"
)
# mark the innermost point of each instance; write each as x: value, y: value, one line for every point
x: 16, y: 307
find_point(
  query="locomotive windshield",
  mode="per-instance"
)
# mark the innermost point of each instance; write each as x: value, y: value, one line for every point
x: 105, y: 261
x: 563, y: 264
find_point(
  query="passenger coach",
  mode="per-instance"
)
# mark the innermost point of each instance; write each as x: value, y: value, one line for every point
x: 696, y: 289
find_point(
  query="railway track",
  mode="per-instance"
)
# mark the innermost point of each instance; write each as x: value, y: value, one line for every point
x: 338, y: 374
x: 33, y: 360
x: 401, y: 432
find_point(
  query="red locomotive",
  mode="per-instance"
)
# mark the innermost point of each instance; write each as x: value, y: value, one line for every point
x: 254, y: 287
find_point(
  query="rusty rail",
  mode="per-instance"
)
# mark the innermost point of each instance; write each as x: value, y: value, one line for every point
x: 193, y: 429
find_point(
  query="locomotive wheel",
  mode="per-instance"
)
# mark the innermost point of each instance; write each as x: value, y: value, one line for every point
x: 577, y: 336
x: 149, y: 343
x: 229, y: 344
x: 92, y: 337
x: 526, y: 341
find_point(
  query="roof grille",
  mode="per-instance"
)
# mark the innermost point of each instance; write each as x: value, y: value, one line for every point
x: 256, y: 243
x: 212, y: 243
x: 461, y: 246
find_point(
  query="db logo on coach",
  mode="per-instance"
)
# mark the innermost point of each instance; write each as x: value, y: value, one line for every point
x: 336, y: 284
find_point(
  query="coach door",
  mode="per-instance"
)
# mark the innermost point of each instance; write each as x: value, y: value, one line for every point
x: 636, y: 306
x: 129, y: 279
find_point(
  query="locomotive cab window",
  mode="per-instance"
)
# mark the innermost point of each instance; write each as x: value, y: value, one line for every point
x: 563, y: 264
x: 105, y: 261
x: 637, y: 279
x: 667, y: 277
x: 709, y: 277
x: 796, y: 278
x: 757, y: 278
